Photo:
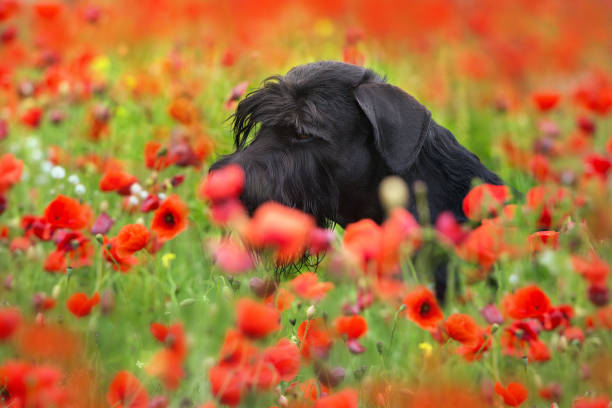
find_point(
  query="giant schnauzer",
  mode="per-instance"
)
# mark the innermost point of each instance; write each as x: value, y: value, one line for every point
x: 322, y: 137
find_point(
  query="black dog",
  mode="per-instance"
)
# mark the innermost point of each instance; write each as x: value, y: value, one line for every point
x: 330, y: 132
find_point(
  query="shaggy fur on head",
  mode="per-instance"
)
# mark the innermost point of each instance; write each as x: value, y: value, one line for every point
x: 322, y: 137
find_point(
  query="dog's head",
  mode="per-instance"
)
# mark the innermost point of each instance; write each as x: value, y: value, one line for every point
x: 322, y: 137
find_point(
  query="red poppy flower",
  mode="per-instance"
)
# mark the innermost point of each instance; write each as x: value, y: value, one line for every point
x: 347, y: 398
x: 156, y: 157
x: 315, y: 339
x: 592, y: 268
x: 9, y: 322
x: 172, y: 336
x: 422, y: 308
x: 484, y: 245
x: 484, y: 200
x: 285, y: 357
x: 527, y: 302
x: 231, y: 256
x: 363, y: 239
x: 545, y: 100
x: 401, y: 232
x: 514, y: 394
x: 56, y: 262
x: 182, y: 110
x: 281, y: 300
x: 227, y: 383
x: 307, y: 285
x: 538, y: 351
x: 66, y: 212
x: 118, y: 262
x: 551, y: 392
x: 591, y: 402
x: 475, y: 349
x: 11, y: 170
x: 170, y: 219
x: 168, y: 367
x: 131, y: 238
x: 598, y: 165
x: 462, y: 327
x: 236, y: 349
x: 284, y: 229
x: 256, y: 320
x: 353, y: 327
x: 117, y: 180
x: 32, y: 117
x: 543, y: 239
x: 223, y: 184
x: 125, y: 391
x: 449, y: 230
x: 80, y: 305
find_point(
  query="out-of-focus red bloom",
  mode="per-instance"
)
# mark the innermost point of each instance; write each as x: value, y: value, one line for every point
x: 545, y: 200
x: 11, y: 170
x: 353, y: 327
x: 401, y: 232
x: 231, y: 256
x: 9, y: 322
x: 285, y: 357
x: 118, y: 262
x: 156, y: 157
x: 543, y: 239
x: 182, y: 110
x: 125, y: 391
x: 281, y: 300
x: 66, y: 212
x: 591, y: 402
x: 102, y: 224
x: 170, y: 219
x: 462, y: 327
x: 172, y: 336
x: 574, y: 333
x: 235, y: 95
x: 540, y: 168
x: 32, y: 117
x: 557, y: 316
x: 422, y: 308
x: 168, y: 367
x: 592, y: 268
x: 284, y: 229
x: 256, y: 320
x: 33, y: 385
x: 315, y: 339
x: 595, y: 93
x: 225, y: 183
x: 362, y: 239
x: 485, y: 200
x: 37, y: 226
x: 117, y: 180
x: 551, y: 392
x: 347, y: 398
x: 449, y: 230
x: 131, y: 238
x: 307, y: 285
x: 151, y: 203
x: 56, y: 262
x: 227, y: 384
x: 526, y: 302
x: 545, y: 100
x: 80, y: 305
x: 597, y: 165
x: 514, y: 394
x: 484, y: 245
x: 320, y: 240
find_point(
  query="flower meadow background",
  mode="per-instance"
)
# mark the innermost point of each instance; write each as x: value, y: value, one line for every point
x: 131, y: 279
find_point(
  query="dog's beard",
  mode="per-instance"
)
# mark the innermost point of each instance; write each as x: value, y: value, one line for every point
x: 297, y: 179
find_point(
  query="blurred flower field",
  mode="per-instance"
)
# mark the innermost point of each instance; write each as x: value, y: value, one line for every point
x: 129, y: 277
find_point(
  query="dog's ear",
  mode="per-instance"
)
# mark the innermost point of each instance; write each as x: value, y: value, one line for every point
x: 399, y: 123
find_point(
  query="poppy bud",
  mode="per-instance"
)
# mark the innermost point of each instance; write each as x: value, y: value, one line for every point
x: 310, y: 312
x: 393, y: 192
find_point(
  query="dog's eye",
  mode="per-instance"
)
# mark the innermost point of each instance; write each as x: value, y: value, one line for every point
x: 301, y: 136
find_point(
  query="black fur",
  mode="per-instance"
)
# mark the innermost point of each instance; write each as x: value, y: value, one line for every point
x: 322, y: 137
